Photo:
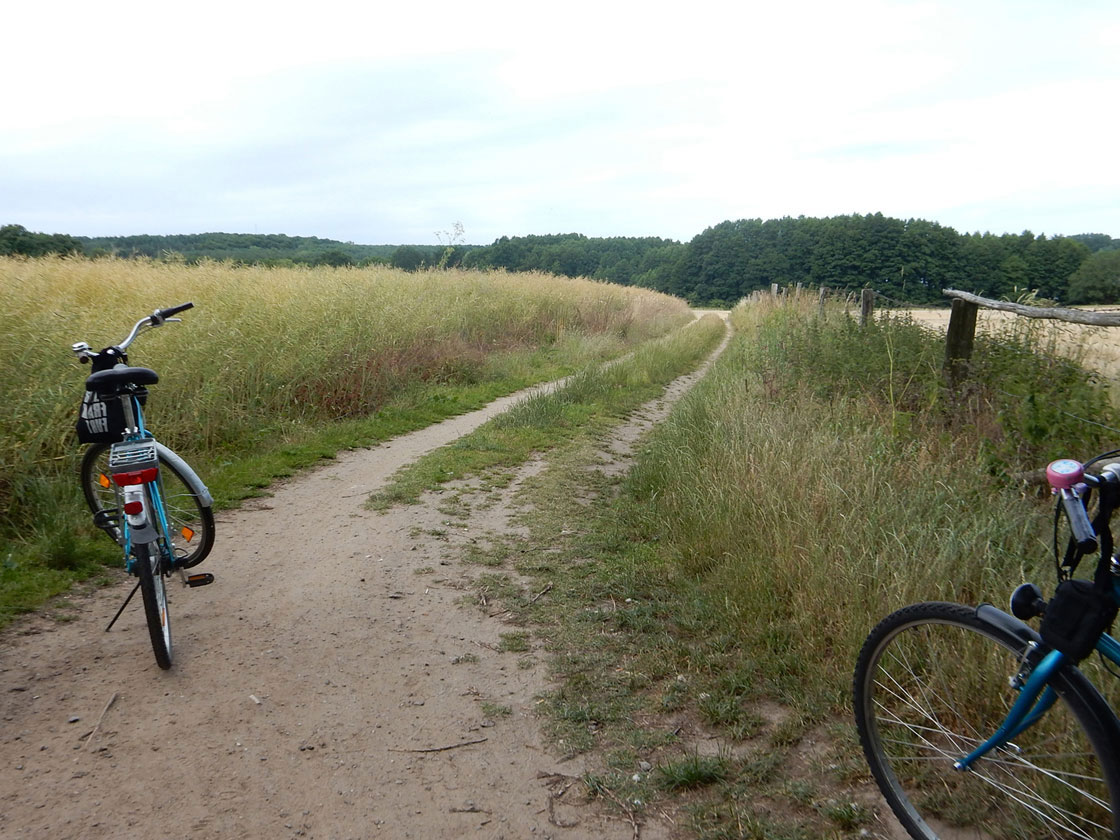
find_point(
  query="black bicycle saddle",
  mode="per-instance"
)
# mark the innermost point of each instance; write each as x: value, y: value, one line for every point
x: 115, y: 378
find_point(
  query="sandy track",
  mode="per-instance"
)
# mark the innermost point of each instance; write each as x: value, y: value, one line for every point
x: 329, y: 685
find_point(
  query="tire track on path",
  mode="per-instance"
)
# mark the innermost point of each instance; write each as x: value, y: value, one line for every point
x: 328, y: 685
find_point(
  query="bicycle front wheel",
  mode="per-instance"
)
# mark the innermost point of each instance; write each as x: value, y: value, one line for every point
x: 150, y: 569
x: 190, y: 520
x: 931, y: 684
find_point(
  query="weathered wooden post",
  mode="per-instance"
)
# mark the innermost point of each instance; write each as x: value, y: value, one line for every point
x: 959, y: 340
x: 773, y: 290
x: 866, y: 306
x: 820, y: 300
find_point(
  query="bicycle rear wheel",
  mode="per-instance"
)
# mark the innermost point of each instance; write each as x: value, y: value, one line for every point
x: 931, y: 684
x: 149, y: 566
x: 189, y: 519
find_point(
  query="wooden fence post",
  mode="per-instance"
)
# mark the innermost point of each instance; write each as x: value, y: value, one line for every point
x: 866, y: 306
x: 773, y: 290
x: 959, y: 340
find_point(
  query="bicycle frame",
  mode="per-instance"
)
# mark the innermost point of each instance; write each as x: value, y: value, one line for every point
x: 1036, y: 696
x: 147, y: 526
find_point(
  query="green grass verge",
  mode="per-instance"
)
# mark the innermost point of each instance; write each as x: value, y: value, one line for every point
x: 590, y: 402
x: 815, y: 480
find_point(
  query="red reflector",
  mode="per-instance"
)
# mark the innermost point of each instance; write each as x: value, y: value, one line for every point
x: 138, y: 477
x: 133, y: 508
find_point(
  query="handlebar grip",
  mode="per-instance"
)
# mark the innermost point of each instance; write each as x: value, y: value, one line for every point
x: 1079, y: 521
x: 174, y: 310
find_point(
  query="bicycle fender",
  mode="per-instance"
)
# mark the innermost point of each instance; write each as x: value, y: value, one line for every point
x: 196, y: 485
x: 140, y: 528
x: 1008, y: 623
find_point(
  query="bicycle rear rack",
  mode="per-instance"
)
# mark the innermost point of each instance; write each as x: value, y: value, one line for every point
x: 130, y: 456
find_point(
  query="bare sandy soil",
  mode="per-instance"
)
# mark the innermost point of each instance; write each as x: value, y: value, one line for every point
x: 331, y: 684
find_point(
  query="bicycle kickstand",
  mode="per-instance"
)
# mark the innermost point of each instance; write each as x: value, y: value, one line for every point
x: 121, y: 610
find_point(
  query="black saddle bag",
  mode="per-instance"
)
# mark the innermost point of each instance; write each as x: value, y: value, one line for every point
x: 101, y: 417
x: 1076, y: 616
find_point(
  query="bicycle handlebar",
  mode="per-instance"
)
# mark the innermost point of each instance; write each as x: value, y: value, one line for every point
x: 1069, y: 481
x: 173, y: 310
x: 156, y: 319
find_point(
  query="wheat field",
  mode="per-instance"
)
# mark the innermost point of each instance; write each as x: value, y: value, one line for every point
x: 1097, y: 348
x: 267, y: 352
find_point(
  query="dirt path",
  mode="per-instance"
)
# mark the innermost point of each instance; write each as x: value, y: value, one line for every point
x: 329, y: 685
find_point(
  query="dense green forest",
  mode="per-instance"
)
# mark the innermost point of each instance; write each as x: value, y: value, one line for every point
x: 617, y: 259
x: 910, y: 261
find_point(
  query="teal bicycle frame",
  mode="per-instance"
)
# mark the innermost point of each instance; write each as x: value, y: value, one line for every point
x: 134, y: 419
x: 1036, y: 696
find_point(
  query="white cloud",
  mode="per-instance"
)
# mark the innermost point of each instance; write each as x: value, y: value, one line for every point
x: 384, y: 124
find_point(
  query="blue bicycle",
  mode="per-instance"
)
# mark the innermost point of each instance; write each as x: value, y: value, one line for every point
x: 144, y: 496
x: 976, y: 725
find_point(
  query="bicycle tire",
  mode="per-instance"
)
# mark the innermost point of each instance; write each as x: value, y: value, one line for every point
x: 932, y: 683
x: 154, y: 592
x: 190, y: 518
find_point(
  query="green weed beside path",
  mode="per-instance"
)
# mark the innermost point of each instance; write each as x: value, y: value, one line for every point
x: 816, y: 479
x: 589, y: 403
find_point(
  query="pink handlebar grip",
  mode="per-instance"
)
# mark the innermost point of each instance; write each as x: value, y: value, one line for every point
x: 1064, y: 474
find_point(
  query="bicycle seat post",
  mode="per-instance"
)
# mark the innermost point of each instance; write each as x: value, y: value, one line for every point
x: 130, y: 424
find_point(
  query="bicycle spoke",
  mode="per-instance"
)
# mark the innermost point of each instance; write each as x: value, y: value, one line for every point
x: 930, y: 687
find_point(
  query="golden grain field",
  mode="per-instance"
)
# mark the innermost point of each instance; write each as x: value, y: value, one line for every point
x: 266, y: 350
x: 1097, y: 348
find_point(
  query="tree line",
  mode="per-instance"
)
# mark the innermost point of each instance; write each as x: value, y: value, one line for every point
x: 271, y: 249
x: 251, y: 248
x: 910, y: 261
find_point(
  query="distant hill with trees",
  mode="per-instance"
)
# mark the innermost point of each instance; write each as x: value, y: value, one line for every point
x: 910, y: 261
x: 625, y: 260
x: 16, y: 239
x: 262, y: 249
x: 272, y: 249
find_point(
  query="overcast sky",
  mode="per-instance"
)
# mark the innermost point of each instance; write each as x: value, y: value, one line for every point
x: 348, y: 121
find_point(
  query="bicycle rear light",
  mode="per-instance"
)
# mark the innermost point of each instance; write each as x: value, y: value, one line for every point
x: 144, y: 476
x: 133, y: 508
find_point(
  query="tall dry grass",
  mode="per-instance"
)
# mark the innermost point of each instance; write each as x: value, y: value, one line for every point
x: 270, y: 350
x: 816, y: 481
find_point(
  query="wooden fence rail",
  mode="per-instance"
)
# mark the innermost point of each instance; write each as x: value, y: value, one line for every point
x: 961, y: 334
x: 1057, y: 313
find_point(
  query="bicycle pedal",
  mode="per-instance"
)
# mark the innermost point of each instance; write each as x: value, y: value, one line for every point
x: 204, y: 579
